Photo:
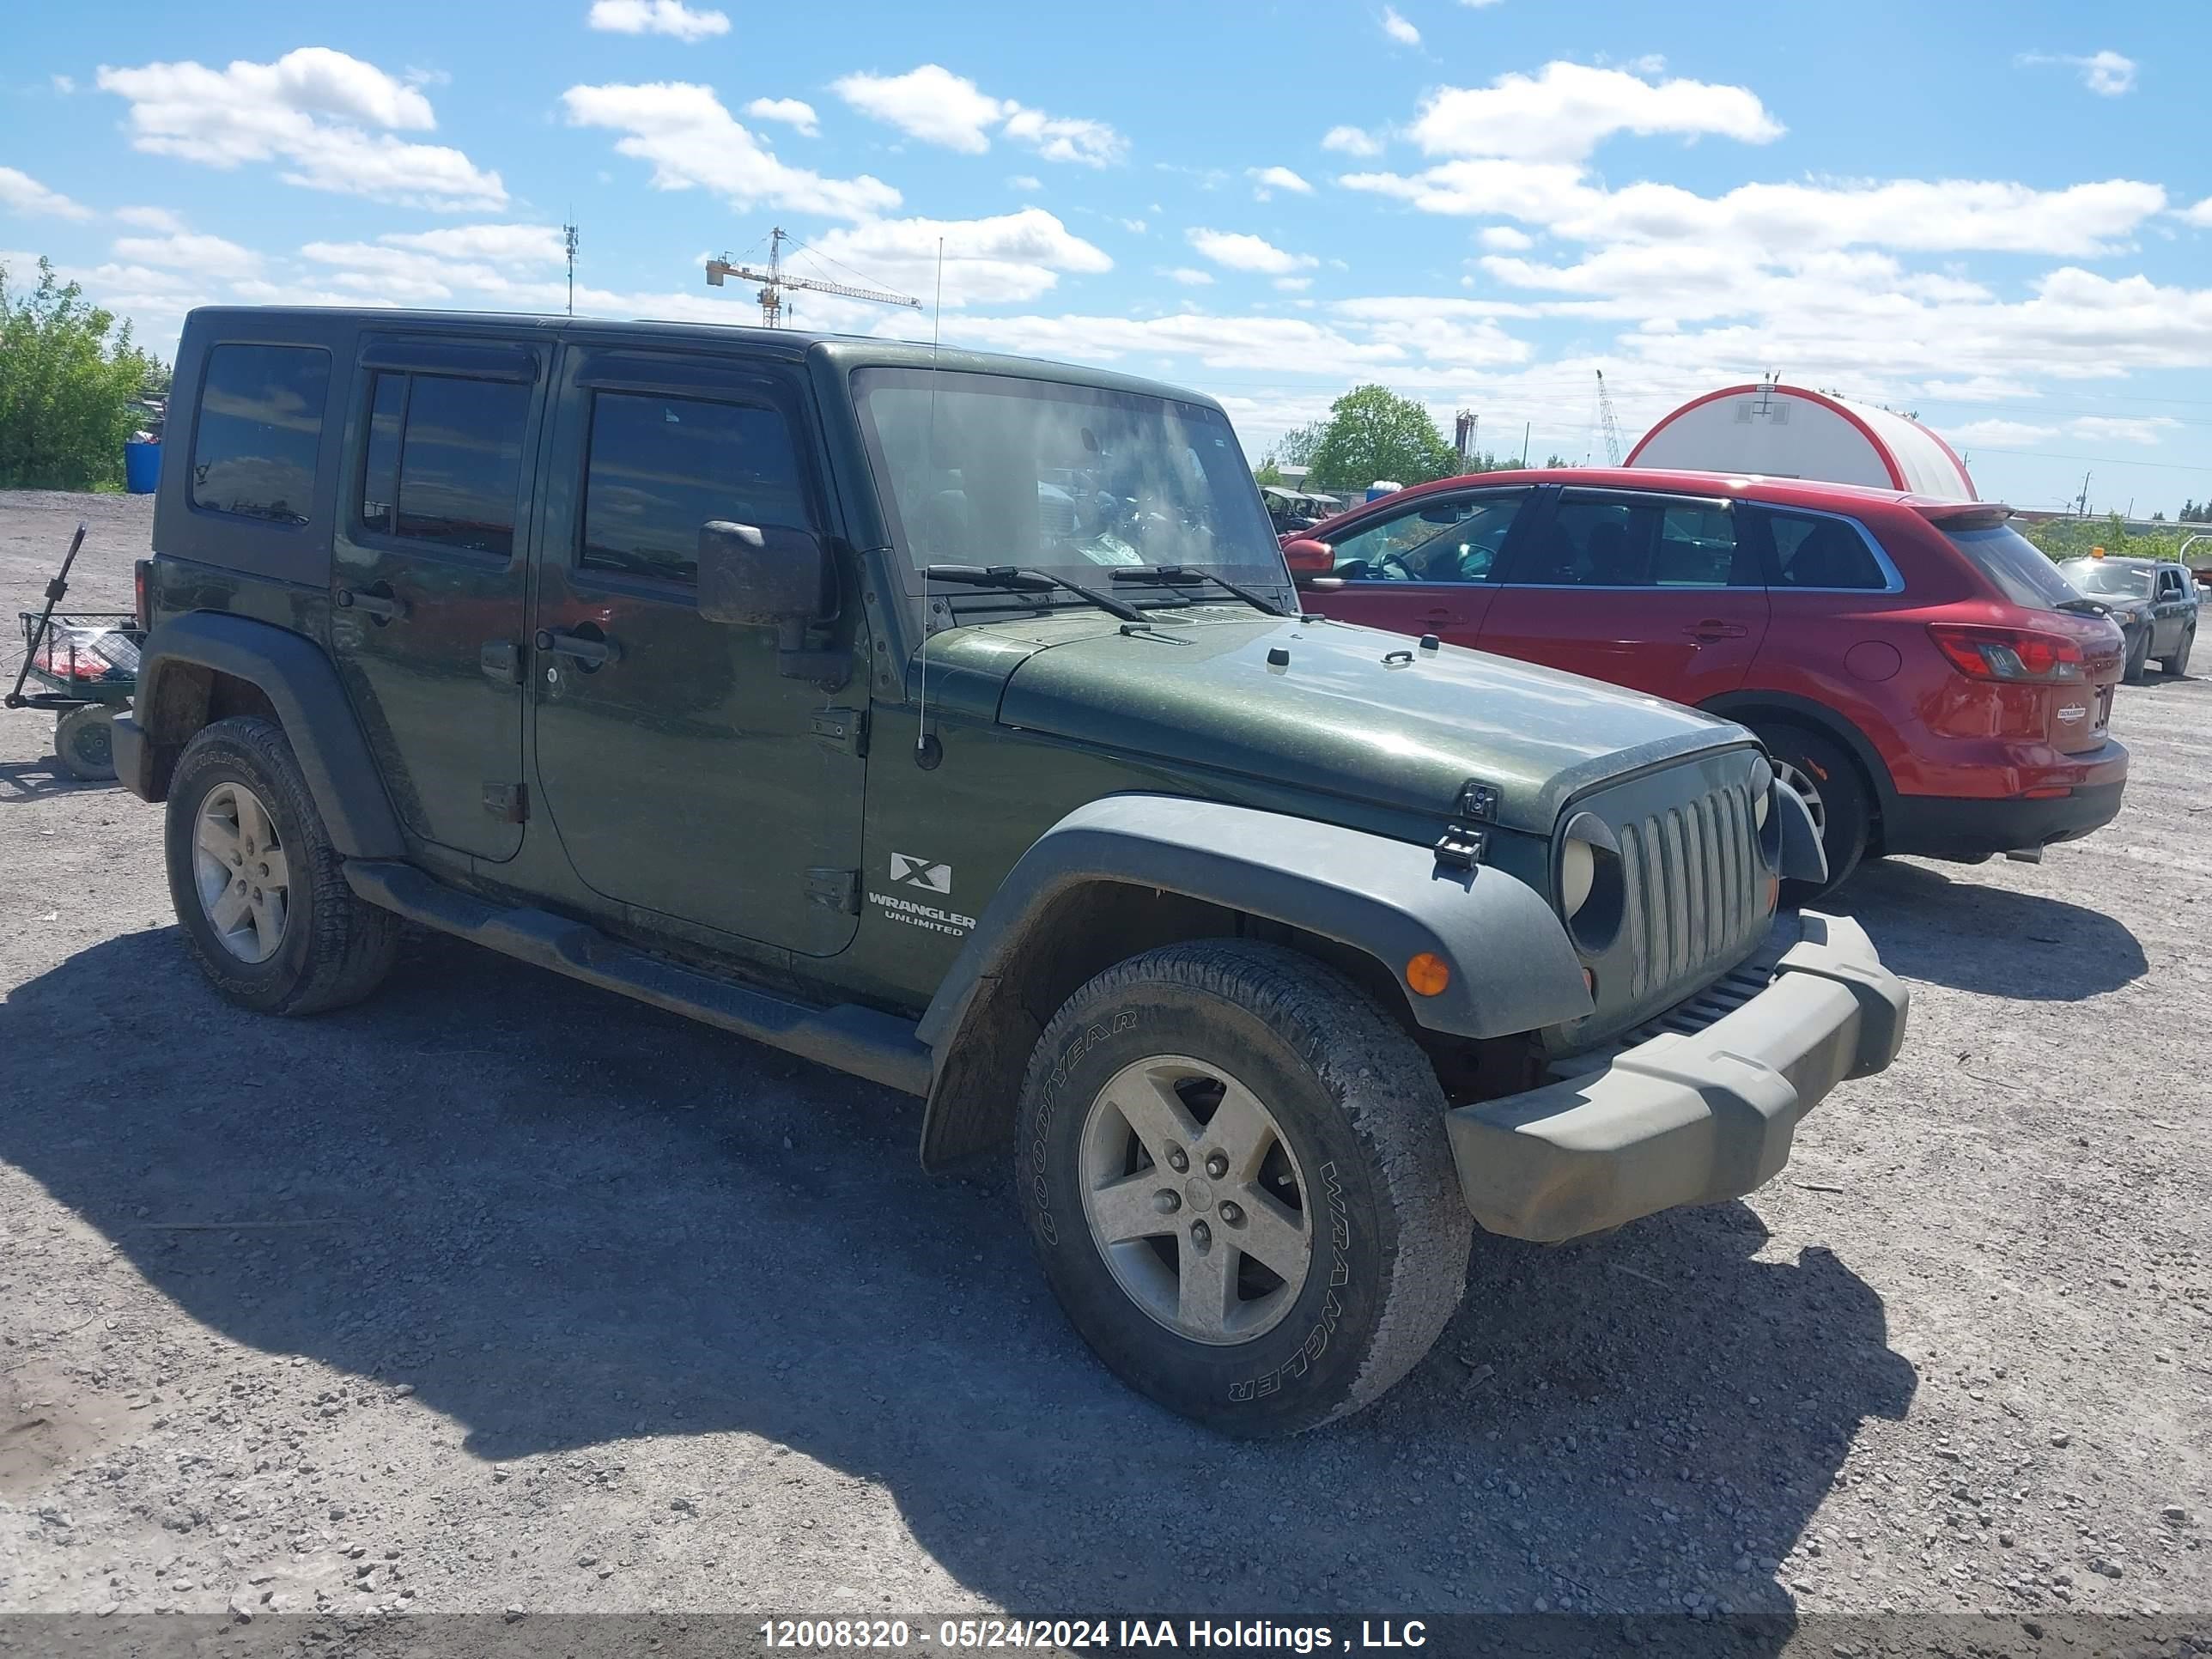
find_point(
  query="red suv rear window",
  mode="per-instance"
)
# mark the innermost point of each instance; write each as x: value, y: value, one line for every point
x: 2016, y: 565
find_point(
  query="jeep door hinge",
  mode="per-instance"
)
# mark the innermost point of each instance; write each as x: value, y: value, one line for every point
x: 506, y: 802
x: 842, y: 731
x: 835, y: 890
x: 500, y: 661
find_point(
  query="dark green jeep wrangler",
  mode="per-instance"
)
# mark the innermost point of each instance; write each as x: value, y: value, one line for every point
x: 951, y: 721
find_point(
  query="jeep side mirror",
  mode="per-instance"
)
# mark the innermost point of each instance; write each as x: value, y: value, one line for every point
x: 773, y: 576
x: 1307, y: 558
x: 761, y: 576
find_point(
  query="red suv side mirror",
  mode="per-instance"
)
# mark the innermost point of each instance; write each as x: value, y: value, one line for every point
x: 1307, y: 558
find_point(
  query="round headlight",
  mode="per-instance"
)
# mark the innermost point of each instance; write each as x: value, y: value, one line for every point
x: 1762, y: 792
x: 1577, y: 874
x: 1592, y: 891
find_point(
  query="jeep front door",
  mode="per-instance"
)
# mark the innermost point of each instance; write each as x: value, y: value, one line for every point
x: 428, y: 574
x: 684, y: 772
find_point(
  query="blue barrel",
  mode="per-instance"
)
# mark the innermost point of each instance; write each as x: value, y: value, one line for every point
x: 141, y: 468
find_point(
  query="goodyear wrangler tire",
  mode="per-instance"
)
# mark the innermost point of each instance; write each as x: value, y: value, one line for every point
x: 1234, y: 1166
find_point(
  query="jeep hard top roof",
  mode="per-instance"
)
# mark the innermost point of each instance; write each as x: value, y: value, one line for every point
x: 846, y: 351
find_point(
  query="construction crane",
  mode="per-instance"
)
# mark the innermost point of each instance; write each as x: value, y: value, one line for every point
x: 773, y: 281
x: 1605, y: 419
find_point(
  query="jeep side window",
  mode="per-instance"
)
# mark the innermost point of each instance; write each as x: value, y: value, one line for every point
x: 260, y: 430
x: 444, y: 460
x: 661, y: 466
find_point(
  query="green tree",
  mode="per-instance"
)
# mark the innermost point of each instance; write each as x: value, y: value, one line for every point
x: 69, y: 376
x: 1371, y: 433
x: 1296, y: 447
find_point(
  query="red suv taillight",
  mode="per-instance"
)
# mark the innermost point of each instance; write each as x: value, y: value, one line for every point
x: 2020, y: 655
x: 138, y: 595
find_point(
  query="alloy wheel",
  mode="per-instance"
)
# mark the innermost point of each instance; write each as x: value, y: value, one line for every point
x: 1195, y: 1200
x: 238, y: 868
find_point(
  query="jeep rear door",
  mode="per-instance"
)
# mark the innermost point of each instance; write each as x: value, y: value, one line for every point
x: 683, y: 773
x: 428, y: 575
x: 1424, y: 566
x: 1648, y: 591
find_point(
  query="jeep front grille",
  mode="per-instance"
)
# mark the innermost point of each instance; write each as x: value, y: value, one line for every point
x: 1694, y: 879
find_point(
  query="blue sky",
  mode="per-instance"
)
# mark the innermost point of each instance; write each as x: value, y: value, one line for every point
x: 1997, y: 215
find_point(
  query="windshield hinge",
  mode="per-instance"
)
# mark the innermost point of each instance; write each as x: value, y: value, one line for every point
x: 842, y: 731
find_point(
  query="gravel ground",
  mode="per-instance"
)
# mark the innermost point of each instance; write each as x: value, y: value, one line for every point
x: 498, y: 1292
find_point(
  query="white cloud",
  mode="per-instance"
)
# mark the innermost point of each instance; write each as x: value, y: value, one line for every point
x: 63, y: 84
x: 1503, y: 239
x: 2105, y: 73
x: 1240, y: 252
x: 933, y: 104
x: 1293, y: 284
x: 1244, y: 342
x: 1012, y: 257
x: 794, y: 113
x: 150, y: 218
x: 1350, y: 141
x: 670, y: 17
x: 25, y: 194
x: 1267, y: 181
x: 1949, y: 214
x: 1399, y: 29
x: 930, y: 103
x: 2115, y: 428
x: 1135, y: 226
x: 1996, y: 432
x: 205, y: 255
x: 307, y: 109
x: 691, y: 140
x: 1027, y: 182
x: 1192, y: 276
x: 2199, y: 215
x: 1565, y: 111
x: 1064, y: 139
x: 1477, y: 5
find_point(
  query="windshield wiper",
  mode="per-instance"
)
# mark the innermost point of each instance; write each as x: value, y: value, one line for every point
x: 1183, y: 576
x: 2085, y: 606
x: 1020, y: 579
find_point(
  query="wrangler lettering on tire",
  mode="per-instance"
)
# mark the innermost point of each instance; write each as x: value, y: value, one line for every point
x: 1233, y: 1165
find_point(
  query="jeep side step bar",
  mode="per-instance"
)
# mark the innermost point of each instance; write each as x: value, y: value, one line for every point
x: 877, y: 1045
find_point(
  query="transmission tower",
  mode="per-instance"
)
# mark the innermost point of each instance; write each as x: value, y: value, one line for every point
x: 1605, y: 419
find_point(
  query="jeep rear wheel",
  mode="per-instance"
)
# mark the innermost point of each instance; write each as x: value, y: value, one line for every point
x: 260, y: 892
x: 1234, y: 1166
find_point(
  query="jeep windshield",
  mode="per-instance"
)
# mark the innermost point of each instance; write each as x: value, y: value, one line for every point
x: 1076, y: 481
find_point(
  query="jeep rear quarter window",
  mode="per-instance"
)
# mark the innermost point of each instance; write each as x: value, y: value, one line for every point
x: 259, y: 431
x: 445, y: 459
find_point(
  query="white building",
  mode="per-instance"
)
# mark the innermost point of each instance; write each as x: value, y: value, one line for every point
x: 1789, y: 432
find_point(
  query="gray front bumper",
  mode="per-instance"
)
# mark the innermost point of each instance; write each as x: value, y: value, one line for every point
x: 1685, y: 1118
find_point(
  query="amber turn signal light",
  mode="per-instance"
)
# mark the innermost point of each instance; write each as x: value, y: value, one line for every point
x: 1428, y: 974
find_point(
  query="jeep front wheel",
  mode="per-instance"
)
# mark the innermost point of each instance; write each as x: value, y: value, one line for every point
x: 261, y: 894
x: 1234, y: 1166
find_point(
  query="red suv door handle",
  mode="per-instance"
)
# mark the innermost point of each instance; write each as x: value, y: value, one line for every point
x: 1713, y: 629
x: 1442, y: 618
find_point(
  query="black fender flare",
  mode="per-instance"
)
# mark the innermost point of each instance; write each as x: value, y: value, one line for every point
x: 1513, y: 969
x: 302, y: 683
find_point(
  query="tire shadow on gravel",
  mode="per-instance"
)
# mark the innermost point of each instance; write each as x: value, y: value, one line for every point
x: 1955, y: 931
x: 567, y: 1221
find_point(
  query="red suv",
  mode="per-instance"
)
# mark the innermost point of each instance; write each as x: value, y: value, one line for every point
x: 1923, y: 676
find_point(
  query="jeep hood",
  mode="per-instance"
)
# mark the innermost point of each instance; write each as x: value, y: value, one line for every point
x: 1355, y: 712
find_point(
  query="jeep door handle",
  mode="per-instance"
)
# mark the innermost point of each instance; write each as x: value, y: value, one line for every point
x: 594, y: 653
x: 382, y: 606
x: 1713, y: 629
